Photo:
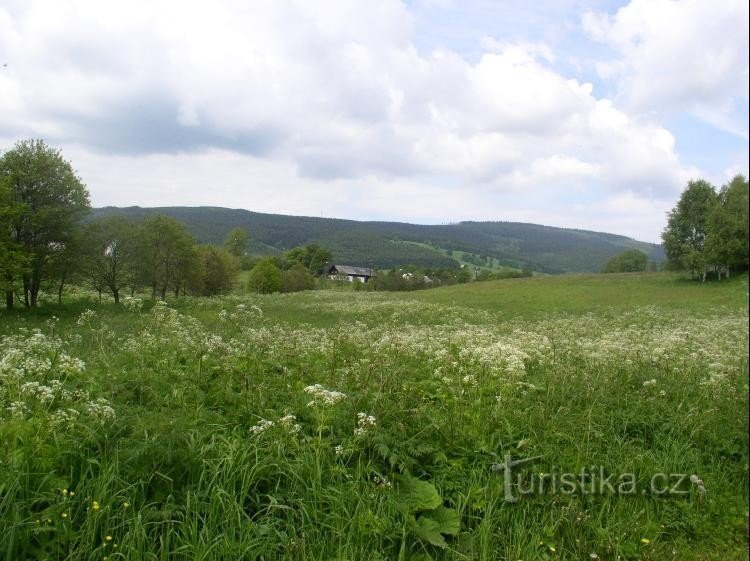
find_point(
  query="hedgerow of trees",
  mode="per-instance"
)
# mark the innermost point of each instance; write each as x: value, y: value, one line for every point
x: 707, y: 231
x: 46, y: 243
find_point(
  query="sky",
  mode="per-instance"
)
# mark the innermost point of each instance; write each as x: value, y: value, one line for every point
x: 583, y: 114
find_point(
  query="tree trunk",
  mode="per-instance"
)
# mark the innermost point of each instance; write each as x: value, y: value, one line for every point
x: 34, y: 286
x: 9, y: 299
x: 34, y: 293
x: 26, y: 290
x: 99, y: 290
x: 164, y: 292
x: 60, y: 288
x: 116, y: 295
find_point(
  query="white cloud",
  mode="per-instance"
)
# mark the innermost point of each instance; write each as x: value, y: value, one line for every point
x: 691, y: 54
x: 290, y: 106
x: 245, y: 181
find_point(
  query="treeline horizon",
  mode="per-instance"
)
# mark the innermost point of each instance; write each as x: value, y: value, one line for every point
x: 45, y: 241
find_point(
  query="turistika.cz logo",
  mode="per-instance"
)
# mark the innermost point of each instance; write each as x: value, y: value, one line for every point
x: 590, y: 480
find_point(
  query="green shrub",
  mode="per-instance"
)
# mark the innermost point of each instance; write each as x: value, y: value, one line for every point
x: 265, y: 278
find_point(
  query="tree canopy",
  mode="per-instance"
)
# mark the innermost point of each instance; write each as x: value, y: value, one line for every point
x: 111, y: 254
x: 685, y: 234
x: 47, y: 200
x: 727, y: 238
x: 311, y: 256
x: 709, y: 230
x: 167, y: 255
x: 237, y: 242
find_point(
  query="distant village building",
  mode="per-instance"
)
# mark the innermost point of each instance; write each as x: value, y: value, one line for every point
x: 348, y: 273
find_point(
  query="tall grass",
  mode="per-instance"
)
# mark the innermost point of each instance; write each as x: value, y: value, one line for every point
x: 219, y: 449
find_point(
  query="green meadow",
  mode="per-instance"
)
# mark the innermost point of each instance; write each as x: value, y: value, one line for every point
x: 562, y: 417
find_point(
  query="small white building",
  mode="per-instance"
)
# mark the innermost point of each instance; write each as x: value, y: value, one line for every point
x: 348, y: 273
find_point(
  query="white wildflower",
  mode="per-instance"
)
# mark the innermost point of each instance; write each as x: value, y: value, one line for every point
x: 262, y: 426
x: 698, y: 482
x: 322, y: 396
x: 64, y: 417
x: 289, y: 423
x: 470, y: 380
x: 132, y: 304
x: 382, y: 481
x: 100, y: 410
x: 17, y: 409
x: 86, y: 317
x: 364, y: 423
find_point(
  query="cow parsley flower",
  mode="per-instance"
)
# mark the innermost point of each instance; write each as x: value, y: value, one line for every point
x: 290, y: 424
x: 262, y: 426
x: 322, y: 396
x: 86, y: 317
x: 132, y: 304
x: 364, y: 423
x: 100, y: 410
x: 17, y: 409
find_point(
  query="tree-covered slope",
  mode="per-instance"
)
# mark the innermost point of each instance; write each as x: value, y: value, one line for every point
x: 380, y: 244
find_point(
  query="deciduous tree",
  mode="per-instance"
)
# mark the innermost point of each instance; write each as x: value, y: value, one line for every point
x: 237, y: 242
x: 727, y: 229
x: 219, y: 269
x: 167, y: 258
x: 13, y: 259
x: 111, y: 254
x: 52, y: 200
x: 312, y: 256
x: 685, y: 235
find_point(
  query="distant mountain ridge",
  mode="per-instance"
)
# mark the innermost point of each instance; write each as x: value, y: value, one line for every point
x: 388, y: 244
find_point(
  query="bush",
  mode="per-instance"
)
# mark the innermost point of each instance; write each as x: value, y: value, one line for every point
x: 265, y: 278
x: 631, y: 261
x: 219, y: 269
x: 297, y: 278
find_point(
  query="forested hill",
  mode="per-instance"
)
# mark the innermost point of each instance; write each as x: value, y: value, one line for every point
x: 388, y: 244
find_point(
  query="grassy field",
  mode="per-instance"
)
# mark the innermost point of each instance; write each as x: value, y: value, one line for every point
x: 570, y: 417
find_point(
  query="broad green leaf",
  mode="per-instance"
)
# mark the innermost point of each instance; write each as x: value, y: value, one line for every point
x: 427, y: 529
x: 448, y: 520
x: 417, y: 495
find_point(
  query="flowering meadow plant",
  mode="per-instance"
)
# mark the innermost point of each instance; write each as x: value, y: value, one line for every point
x: 326, y: 425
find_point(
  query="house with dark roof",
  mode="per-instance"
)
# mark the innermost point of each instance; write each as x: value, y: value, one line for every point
x: 349, y: 273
